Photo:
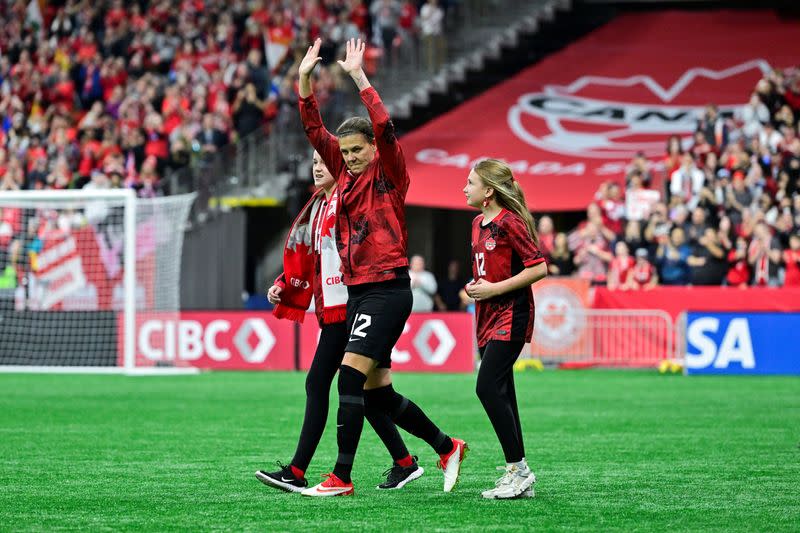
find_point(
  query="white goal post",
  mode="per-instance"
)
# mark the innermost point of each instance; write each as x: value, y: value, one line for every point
x: 77, y: 267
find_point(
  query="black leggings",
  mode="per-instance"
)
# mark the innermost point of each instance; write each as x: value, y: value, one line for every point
x: 330, y: 351
x: 495, y: 389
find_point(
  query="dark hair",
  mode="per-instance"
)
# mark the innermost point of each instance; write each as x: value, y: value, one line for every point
x: 356, y: 126
x: 680, y: 145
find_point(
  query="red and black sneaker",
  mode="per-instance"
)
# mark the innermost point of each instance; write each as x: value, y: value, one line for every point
x: 283, y: 479
x: 398, y: 476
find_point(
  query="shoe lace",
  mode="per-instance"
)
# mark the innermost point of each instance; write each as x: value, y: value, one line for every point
x: 509, y: 473
x: 285, y: 469
x: 393, y: 473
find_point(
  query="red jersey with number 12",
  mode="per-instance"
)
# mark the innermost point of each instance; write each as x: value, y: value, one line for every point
x: 501, y: 249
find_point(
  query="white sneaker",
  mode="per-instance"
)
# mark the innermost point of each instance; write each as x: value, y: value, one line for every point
x: 514, y: 483
x: 521, y: 481
x: 450, y: 463
x: 508, y: 472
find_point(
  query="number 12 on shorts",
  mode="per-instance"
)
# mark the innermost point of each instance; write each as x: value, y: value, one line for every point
x: 480, y: 264
x: 358, y: 330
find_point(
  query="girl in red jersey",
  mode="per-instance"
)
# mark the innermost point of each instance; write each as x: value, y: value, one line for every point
x: 506, y: 261
x: 371, y: 236
x: 313, y: 270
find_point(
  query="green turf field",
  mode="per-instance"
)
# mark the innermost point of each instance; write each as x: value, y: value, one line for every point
x: 612, y: 450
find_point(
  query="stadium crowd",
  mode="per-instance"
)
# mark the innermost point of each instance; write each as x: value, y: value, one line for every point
x: 727, y: 210
x: 109, y: 94
x: 720, y: 209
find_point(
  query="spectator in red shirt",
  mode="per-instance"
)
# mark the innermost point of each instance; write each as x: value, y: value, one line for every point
x: 701, y: 148
x: 359, y: 14
x: 64, y: 93
x: 546, y: 235
x: 156, y: 144
x: 643, y: 275
x: 14, y: 177
x: 791, y: 260
x: 408, y: 25
x: 592, y: 255
x: 609, y: 198
x: 739, y: 270
x: 116, y: 14
x: 620, y: 268
x: 764, y: 255
x: 672, y: 160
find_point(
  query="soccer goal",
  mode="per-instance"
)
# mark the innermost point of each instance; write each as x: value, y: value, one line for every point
x: 78, y: 270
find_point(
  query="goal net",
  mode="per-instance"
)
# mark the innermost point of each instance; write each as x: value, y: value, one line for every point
x: 78, y: 269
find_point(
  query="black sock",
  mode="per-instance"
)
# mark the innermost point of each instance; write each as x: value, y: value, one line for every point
x: 350, y: 419
x: 383, y: 426
x: 492, y: 389
x: 411, y: 418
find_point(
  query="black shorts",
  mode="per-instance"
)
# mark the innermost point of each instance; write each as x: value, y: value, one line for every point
x: 376, y: 316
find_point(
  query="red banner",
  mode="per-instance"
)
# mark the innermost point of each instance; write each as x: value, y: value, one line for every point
x: 431, y: 342
x: 83, y: 270
x: 576, y: 119
x: 213, y: 340
x: 675, y: 300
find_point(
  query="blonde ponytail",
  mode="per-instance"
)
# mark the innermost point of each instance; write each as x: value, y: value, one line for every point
x: 497, y: 175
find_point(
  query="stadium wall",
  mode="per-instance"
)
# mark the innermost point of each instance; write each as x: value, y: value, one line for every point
x: 213, y: 271
x: 219, y: 340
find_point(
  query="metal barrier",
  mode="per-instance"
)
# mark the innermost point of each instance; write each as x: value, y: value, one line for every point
x: 602, y: 337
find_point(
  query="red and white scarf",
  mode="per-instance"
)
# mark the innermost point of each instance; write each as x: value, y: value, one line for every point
x: 312, y: 232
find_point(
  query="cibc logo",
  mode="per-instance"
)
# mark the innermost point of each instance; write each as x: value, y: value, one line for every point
x: 431, y: 330
x: 190, y: 340
x: 296, y: 282
x: 567, y: 120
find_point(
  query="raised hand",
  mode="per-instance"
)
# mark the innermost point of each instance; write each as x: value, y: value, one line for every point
x: 311, y: 59
x: 354, y: 57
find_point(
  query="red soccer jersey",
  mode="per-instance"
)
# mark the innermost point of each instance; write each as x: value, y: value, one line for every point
x: 619, y: 269
x: 371, y: 228
x: 502, y: 249
x: 792, y: 260
x: 642, y: 274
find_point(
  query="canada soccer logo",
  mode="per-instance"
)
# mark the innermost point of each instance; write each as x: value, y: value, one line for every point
x: 560, y: 318
x: 583, y: 119
x: 490, y: 244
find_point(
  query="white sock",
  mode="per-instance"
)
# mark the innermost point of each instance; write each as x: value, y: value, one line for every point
x: 522, y: 466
